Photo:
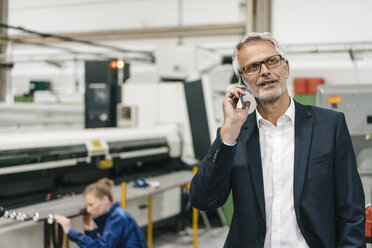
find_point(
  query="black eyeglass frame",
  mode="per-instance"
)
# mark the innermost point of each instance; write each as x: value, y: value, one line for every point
x: 262, y: 62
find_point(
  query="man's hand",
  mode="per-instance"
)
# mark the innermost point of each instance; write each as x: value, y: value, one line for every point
x: 64, y: 222
x: 234, y: 117
x: 88, y: 223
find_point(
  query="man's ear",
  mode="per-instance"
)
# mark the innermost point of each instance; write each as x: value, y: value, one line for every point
x: 287, y: 69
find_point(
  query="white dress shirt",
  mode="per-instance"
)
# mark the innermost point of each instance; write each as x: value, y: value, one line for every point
x: 277, y: 156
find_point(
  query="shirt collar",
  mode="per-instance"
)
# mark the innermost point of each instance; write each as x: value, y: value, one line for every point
x: 290, y: 112
x: 100, y: 220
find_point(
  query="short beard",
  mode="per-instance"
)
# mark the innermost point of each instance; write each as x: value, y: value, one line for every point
x: 266, y: 99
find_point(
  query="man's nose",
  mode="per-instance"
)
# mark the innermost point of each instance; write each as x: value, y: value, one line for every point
x: 264, y: 69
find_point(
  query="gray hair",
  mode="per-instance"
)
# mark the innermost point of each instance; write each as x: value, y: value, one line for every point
x: 266, y: 36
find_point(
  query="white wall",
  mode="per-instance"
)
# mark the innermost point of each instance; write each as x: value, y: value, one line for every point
x: 331, y: 21
x: 293, y: 22
x: 301, y: 21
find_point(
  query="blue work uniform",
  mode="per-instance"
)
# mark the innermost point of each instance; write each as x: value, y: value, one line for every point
x: 116, y: 229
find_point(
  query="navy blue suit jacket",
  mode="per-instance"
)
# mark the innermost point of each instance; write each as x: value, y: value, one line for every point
x: 328, y: 194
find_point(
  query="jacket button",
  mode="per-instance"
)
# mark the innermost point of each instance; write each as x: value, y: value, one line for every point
x: 215, y: 155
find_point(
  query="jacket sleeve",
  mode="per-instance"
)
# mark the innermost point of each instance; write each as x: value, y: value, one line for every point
x: 92, y: 233
x: 349, y: 195
x: 210, y: 187
x: 115, y: 229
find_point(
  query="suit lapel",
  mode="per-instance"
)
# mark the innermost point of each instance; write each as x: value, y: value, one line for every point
x: 253, y: 158
x: 303, y: 133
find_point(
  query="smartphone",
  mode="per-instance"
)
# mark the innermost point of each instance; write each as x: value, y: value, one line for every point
x: 84, y: 212
x: 241, y: 82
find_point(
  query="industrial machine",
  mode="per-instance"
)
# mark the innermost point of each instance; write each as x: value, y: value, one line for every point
x: 102, y: 93
x: 45, y: 172
x: 50, y: 161
x: 355, y: 102
x: 166, y: 123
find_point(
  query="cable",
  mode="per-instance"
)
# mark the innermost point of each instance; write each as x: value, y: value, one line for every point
x: 57, y: 235
x: 353, y: 61
x: 50, y: 46
x: 69, y: 39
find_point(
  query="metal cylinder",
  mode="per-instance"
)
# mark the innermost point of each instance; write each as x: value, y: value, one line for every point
x: 36, y: 216
x: 23, y: 216
x: 2, y: 211
x: 13, y: 215
x: 50, y: 218
x: 19, y: 216
x: 6, y: 214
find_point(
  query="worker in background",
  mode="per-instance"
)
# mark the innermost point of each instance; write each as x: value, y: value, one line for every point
x: 291, y: 168
x: 116, y: 228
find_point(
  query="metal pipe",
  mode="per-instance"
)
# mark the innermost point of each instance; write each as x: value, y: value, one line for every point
x: 124, y: 195
x: 195, y: 218
x: 149, y: 221
x: 49, y: 217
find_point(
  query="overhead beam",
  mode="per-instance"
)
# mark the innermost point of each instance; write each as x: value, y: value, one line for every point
x: 143, y: 33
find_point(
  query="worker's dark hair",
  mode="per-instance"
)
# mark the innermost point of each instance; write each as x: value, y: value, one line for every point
x: 101, y: 188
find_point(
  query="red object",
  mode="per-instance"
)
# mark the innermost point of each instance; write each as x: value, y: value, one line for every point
x: 304, y: 86
x: 369, y: 222
x: 299, y: 86
x: 312, y: 85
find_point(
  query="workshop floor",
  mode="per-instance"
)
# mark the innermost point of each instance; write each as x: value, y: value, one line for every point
x: 213, y: 238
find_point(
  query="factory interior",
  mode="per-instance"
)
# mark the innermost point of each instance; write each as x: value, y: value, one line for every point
x: 132, y: 90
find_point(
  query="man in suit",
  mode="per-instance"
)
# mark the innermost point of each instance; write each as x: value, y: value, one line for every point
x: 291, y: 168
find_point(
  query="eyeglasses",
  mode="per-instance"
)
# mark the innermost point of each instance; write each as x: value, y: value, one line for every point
x: 255, y: 67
